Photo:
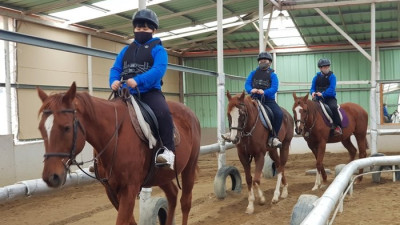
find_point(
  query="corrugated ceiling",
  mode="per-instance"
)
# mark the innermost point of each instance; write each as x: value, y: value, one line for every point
x: 353, y: 17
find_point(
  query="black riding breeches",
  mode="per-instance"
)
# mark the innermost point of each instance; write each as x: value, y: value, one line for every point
x: 278, y: 115
x: 156, y: 101
x: 332, y: 103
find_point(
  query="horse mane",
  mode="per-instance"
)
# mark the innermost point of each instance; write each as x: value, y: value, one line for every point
x: 312, y: 106
x: 56, y: 100
x: 250, y: 103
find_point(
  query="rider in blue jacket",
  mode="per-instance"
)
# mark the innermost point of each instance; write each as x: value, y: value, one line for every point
x: 263, y: 84
x: 323, y: 88
x: 142, y: 65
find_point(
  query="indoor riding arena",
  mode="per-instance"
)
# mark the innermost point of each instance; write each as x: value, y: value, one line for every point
x: 67, y: 160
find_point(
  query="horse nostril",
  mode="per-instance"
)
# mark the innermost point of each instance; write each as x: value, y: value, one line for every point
x: 54, y: 180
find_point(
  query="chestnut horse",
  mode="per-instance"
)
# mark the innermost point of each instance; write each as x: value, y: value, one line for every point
x: 310, y: 124
x: 69, y: 119
x: 250, y: 137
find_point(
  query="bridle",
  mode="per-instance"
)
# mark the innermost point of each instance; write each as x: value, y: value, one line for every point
x: 242, y: 132
x: 305, y: 121
x: 72, y: 153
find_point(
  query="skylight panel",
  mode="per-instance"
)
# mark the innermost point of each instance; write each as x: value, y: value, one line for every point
x: 224, y: 21
x: 288, y: 41
x: 187, y: 29
x: 80, y: 13
x: 110, y: 7
x: 204, y: 30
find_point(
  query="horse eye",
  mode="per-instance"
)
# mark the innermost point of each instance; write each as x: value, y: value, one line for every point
x: 67, y: 128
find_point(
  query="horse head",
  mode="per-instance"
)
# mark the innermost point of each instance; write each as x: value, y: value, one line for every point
x: 63, y: 134
x: 300, y: 112
x: 237, y: 116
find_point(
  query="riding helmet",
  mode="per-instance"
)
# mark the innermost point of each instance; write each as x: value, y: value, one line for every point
x: 146, y: 15
x: 324, y: 62
x: 264, y: 55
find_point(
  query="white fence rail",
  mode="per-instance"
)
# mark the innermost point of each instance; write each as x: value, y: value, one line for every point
x: 326, y: 203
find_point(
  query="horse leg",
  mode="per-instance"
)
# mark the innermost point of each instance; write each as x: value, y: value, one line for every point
x: 171, y: 192
x: 320, y: 152
x: 273, y: 153
x: 350, y: 148
x: 284, y: 155
x: 188, y: 178
x: 127, y: 196
x: 247, y: 172
x: 362, y: 151
x: 259, y: 160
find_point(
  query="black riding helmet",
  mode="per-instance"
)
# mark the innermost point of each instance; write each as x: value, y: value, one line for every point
x: 146, y: 15
x: 324, y: 62
x: 264, y: 55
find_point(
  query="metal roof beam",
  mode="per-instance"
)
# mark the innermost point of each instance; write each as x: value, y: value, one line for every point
x: 368, y: 56
x: 333, y: 4
x: 51, y: 6
x: 59, y: 25
x: 211, y: 6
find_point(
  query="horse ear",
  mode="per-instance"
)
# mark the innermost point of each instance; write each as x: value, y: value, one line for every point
x: 70, y: 95
x: 241, y: 98
x: 306, y: 97
x: 42, y: 95
x: 228, y: 95
x: 294, y: 95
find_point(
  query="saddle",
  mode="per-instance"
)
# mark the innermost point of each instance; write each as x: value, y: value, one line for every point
x: 266, y: 115
x: 143, y: 119
x: 327, y: 115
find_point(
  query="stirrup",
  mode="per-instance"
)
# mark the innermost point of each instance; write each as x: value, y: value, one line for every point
x: 160, y: 165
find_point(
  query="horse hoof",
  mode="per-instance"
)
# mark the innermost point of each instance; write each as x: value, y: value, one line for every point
x: 274, y: 201
x: 249, y: 211
x: 262, y: 201
x: 314, y: 188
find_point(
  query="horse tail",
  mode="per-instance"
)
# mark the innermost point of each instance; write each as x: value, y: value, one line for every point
x: 366, y: 144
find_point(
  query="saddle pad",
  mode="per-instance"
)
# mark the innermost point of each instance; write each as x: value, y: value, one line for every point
x: 138, y: 120
x: 264, y: 116
x: 328, y: 120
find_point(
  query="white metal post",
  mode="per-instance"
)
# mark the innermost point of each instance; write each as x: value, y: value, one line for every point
x: 220, y: 86
x: 372, y: 105
x: 261, y: 25
x: 89, y: 66
x: 7, y: 78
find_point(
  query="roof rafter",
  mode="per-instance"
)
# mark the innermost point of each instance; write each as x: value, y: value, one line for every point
x: 52, y: 6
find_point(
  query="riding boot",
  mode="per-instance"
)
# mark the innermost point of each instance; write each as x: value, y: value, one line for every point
x: 167, y: 157
x: 338, y: 131
x: 274, y: 142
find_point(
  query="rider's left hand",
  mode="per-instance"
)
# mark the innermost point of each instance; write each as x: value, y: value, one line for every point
x: 260, y: 91
x: 131, y: 83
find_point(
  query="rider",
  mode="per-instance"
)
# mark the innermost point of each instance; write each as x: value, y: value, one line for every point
x: 263, y: 84
x: 142, y: 65
x: 323, y: 88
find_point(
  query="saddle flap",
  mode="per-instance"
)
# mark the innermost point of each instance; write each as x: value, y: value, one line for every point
x: 142, y: 125
x: 327, y: 114
x: 265, y: 113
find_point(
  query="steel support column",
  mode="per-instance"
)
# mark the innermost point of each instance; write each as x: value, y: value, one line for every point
x: 220, y: 85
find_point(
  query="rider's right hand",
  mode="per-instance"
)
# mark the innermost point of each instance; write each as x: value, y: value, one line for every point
x: 116, y: 85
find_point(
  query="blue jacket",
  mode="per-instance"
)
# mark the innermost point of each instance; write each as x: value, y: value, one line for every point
x: 330, y: 91
x: 385, y: 112
x: 269, y: 93
x: 151, y: 79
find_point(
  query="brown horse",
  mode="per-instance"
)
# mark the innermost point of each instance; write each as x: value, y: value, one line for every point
x: 69, y: 119
x: 310, y: 124
x: 250, y: 137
